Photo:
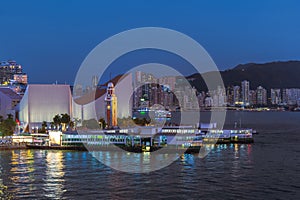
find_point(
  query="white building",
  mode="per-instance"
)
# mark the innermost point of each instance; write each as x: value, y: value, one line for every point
x: 275, y: 96
x: 261, y: 95
x: 42, y: 102
x: 292, y: 95
x: 245, y: 92
x: 208, y: 101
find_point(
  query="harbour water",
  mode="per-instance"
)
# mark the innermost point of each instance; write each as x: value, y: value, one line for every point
x: 267, y: 169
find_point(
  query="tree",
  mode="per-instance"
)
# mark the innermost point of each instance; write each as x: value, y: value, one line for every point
x: 72, y: 124
x: 141, y: 122
x: 44, y: 126
x: 65, y: 120
x: 52, y: 125
x: 57, y: 120
x: 102, y: 123
x: 7, y: 127
x: 62, y: 120
x: 90, y: 124
x: 9, y: 116
x: 126, y: 122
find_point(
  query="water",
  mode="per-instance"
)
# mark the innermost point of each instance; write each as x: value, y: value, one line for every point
x: 267, y: 169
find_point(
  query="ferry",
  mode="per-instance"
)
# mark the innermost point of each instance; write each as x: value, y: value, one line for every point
x: 228, y: 136
x: 146, y: 138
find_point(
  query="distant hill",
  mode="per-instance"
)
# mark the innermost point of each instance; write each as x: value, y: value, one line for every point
x: 269, y: 75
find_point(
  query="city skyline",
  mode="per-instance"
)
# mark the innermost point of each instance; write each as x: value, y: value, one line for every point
x: 149, y: 99
x: 64, y: 32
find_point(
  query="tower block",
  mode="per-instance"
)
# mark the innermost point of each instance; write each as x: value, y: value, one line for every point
x: 111, y: 106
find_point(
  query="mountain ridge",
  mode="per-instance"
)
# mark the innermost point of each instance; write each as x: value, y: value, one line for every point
x: 278, y: 74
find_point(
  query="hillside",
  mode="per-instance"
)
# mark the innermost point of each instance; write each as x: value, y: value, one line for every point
x: 268, y: 75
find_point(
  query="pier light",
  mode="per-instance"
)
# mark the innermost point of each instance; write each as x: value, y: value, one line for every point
x: 142, y: 112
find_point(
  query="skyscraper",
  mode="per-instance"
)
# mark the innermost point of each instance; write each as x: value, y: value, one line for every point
x: 261, y: 94
x: 230, y: 96
x: 275, y: 96
x: 236, y: 94
x: 245, y: 92
x: 8, y: 69
x: 253, y: 97
x: 95, y: 82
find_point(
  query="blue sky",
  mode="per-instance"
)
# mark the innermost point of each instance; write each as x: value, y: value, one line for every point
x: 51, y: 38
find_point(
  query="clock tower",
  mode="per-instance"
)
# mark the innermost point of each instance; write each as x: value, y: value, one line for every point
x: 111, y: 106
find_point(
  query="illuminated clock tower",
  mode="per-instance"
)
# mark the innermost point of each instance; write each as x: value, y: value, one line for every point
x: 111, y: 106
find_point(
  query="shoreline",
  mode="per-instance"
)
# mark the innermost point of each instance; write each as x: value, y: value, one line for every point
x: 13, y: 147
x: 137, y: 149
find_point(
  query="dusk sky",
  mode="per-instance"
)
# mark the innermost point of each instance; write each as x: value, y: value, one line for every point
x: 50, y: 39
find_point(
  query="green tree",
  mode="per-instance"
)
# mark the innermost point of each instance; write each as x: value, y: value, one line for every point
x: 7, y: 126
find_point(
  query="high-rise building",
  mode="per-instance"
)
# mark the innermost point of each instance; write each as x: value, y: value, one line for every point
x: 111, y: 106
x: 95, y: 82
x: 290, y: 96
x: 252, y: 97
x: 12, y: 76
x: 218, y: 97
x: 284, y: 96
x: 8, y: 69
x: 21, y: 78
x: 236, y: 94
x: 77, y: 90
x: 261, y: 94
x: 275, y: 96
x: 201, y: 99
x: 145, y: 92
x: 208, y: 101
x: 150, y: 90
x: 245, y: 92
x: 229, y: 96
x: 168, y: 81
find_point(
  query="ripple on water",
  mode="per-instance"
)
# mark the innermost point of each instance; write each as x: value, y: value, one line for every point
x: 267, y: 169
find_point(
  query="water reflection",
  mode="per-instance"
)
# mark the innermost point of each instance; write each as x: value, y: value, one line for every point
x: 54, y: 181
x: 3, y: 188
x: 268, y: 169
x: 22, y: 168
